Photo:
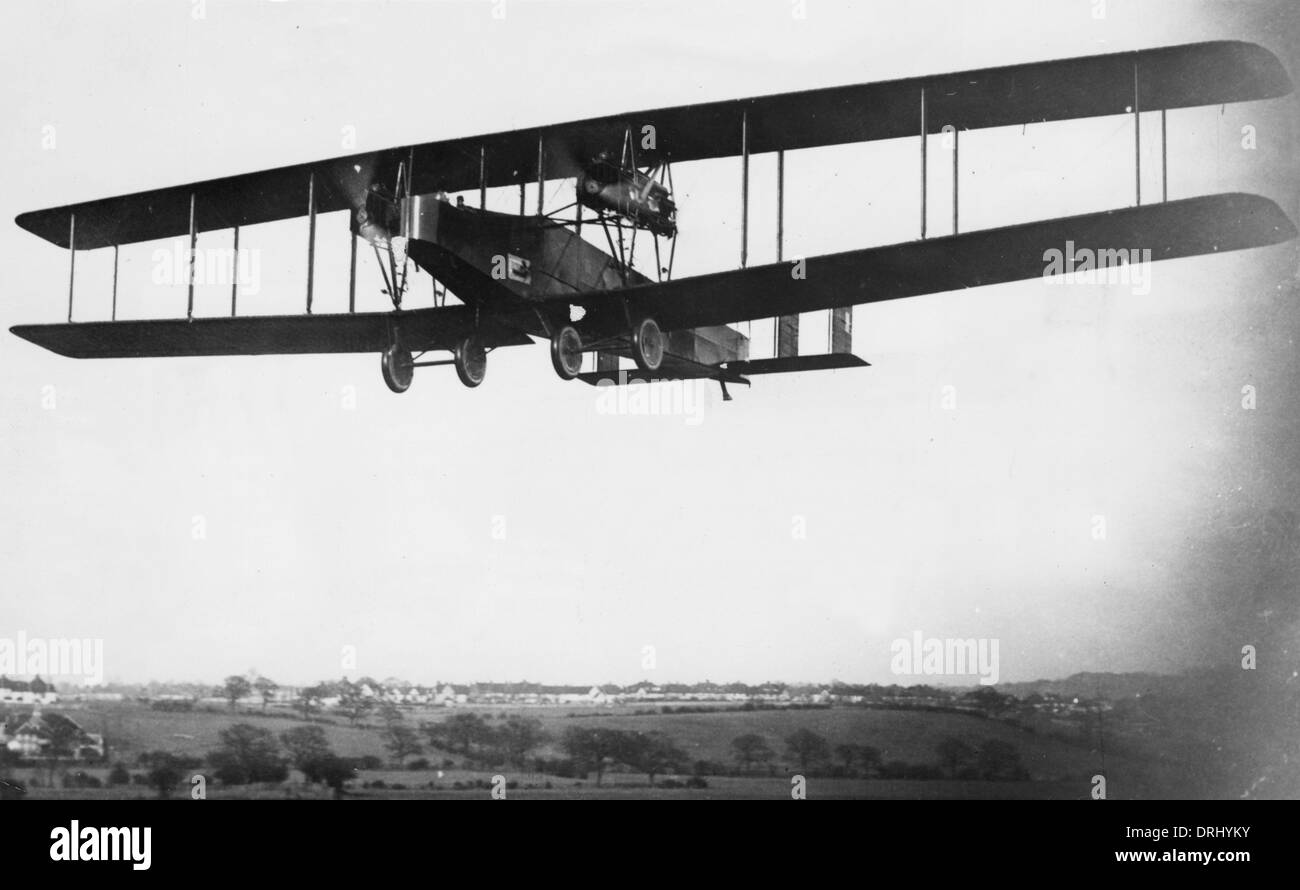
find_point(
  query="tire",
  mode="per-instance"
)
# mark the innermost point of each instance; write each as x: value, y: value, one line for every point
x: 398, y: 368
x: 647, y: 345
x: 471, y: 361
x: 566, y: 352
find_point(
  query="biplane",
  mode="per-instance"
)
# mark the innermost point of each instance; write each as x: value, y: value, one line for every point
x: 517, y: 278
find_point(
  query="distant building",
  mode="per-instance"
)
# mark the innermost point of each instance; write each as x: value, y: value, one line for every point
x: 22, y: 692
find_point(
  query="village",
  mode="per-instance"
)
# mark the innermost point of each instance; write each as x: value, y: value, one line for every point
x: 31, y: 729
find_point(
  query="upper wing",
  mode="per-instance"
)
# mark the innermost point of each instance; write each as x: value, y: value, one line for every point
x: 1168, y: 77
x: 417, y: 330
x: 1172, y: 229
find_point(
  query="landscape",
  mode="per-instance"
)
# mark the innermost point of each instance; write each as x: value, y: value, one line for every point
x: 1171, y: 736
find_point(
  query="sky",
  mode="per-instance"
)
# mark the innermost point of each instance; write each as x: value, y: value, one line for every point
x: 206, y: 516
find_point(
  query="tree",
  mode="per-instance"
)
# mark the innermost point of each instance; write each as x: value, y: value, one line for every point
x: 652, y: 753
x: 954, y: 754
x: 308, y: 700
x: 331, y: 770
x: 247, y: 754
x: 808, y: 748
x: 119, y: 775
x: 165, y: 771
x: 266, y: 688
x: 464, y: 730
x: 518, y: 736
x: 402, y: 741
x: 988, y: 699
x: 869, y: 759
x: 353, y: 704
x: 865, y: 757
x: 390, y: 713
x: 235, y: 688
x: 593, y: 749
x: 997, y: 759
x: 751, y: 748
x: 305, y: 744
x: 63, y: 737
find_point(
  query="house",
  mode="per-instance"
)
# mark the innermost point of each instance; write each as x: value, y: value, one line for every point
x: 22, y: 692
x: 31, y: 735
x: 448, y: 695
x: 645, y: 691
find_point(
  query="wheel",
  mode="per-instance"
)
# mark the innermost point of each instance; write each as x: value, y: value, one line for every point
x: 471, y: 361
x: 647, y: 345
x: 398, y: 367
x: 566, y: 352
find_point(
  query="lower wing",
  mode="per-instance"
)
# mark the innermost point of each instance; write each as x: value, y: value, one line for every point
x: 1169, y: 230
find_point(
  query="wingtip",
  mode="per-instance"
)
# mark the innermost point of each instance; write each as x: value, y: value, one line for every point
x: 1273, y: 78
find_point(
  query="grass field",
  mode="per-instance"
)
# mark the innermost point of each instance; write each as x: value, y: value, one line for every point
x: 1058, y: 768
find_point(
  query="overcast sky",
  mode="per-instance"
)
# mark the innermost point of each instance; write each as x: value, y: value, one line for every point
x: 329, y: 524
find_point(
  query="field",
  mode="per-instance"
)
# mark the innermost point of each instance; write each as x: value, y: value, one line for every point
x: 1058, y: 767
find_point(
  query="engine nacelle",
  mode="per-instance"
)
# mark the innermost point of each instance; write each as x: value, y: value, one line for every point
x: 379, y: 218
x: 629, y: 193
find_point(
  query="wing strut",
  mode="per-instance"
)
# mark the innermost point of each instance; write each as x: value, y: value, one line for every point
x: 194, y: 241
x: 72, y: 259
x: 956, y: 135
x: 234, y: 273
x: 924, y: 140
x: 113, y: 312
x: 1164, y: 157
x: 1137, y: 138
x: 311, y: 235
x: 744, y: 189
x: 482, y: 177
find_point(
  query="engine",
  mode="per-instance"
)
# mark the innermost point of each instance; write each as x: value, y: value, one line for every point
x: 379, y: 217
x: 629, y: 193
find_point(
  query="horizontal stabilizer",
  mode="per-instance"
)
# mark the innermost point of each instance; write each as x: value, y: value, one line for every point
x: 674, y: 367
x: 829, y: 362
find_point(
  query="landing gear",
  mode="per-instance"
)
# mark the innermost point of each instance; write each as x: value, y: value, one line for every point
x: 566, y: 352
x: 470, y: 361
x: 647, y: 345
x: 398, y: 367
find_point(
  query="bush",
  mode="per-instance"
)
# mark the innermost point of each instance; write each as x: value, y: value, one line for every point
x: 247, y: 754
x: 119, y: 775
x: 80, y: 779
x: 418, y: 763
x: 696, y: 782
